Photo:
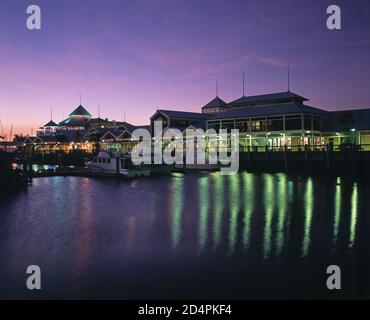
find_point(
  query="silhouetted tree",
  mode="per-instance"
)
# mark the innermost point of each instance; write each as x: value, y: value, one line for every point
x: 19, y: 137
x: 95, y: 138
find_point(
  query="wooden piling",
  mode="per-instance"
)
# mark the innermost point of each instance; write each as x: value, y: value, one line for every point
x: 117, y: 166
x: 286, y: 157
x: 328, y: 156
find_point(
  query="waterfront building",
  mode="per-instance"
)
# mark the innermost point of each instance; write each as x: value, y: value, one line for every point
x: 178, y: 119
x: 217, y: 105
x: 276, y: 120
x: 120, y: 138
x: 349, y: 127
x: 83, y: 133
x: 77, y: 120
x: 273, y: 121
x: 99, y: 123
x: 50, y: 128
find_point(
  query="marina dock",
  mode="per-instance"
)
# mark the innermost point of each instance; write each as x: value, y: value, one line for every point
x: 305, y: 160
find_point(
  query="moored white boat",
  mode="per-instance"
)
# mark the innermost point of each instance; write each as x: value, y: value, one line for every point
x: 121, y: 164
x: 208, y: 165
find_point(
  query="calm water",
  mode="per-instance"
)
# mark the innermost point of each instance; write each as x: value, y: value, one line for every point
x: 187, y: 236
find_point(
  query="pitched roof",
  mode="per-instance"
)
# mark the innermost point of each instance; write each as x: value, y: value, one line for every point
x: 184, y: 114
x: 216, y: 102
x: 94, y: 132
x: 51, y: 123
x: 80, y: 111
x: 129, y: 127
x: 267, y: 111
x: 50, y: 139
x: 110, y: 132
x: 99, y: 120
x: 268, y: 97
x: 29, y: 139
x: 146, y: 127
x: 70, y: 135
x: 345, y: 120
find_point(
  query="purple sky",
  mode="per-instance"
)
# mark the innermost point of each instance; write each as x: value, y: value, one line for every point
x: 137, y: 56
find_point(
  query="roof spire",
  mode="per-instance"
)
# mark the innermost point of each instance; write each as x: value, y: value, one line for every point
x: 51, y: 114
x: 99, y: 111
x: 217, y: 88
x: 288, y: 78
x: 80, y: 98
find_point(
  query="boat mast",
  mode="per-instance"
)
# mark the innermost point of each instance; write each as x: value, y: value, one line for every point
x: 11, y: 133
x: 2, y: 128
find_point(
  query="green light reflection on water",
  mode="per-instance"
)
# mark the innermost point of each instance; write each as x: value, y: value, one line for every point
x: 282, y: 205
x: 234, y: 209
x: 203, y: 211
x: 248, y: 182
x: 308, y: 202
x: 269, y: 210
x: 354, y: 214
x: 177, y: 208
x: 337, y: 210
x: 218, y: 185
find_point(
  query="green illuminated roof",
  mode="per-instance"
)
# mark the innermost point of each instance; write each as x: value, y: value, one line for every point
x: 80, y: 111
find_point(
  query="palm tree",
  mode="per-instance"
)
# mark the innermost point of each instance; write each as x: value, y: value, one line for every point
x: 20, y: 137
x: 95, y: 138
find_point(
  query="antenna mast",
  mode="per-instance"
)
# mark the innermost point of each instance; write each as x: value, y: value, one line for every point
x: 243, y: 84
x: 11, y: 133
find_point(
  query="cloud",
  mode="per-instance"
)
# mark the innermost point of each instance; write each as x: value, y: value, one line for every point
x: 273, y: 62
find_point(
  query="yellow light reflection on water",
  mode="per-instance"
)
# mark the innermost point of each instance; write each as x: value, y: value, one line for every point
x: 203, y: 211
x: 269, y: 210
x: 337, y: 210
x: 308, y: 202
x: 218, y: 185
x: 177, y: 194
x: 248, y: 207
x: 282, y: 205
x: 354, y: 213
x: 234, y: 210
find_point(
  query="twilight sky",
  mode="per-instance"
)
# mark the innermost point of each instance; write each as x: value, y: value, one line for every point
x: 139, y: 55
